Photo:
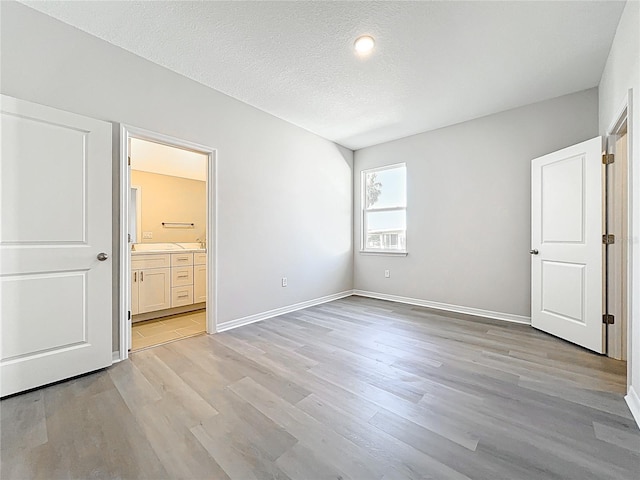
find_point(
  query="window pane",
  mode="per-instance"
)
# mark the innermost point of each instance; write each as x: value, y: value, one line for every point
x: 386, y: 230
x: 386, y: 188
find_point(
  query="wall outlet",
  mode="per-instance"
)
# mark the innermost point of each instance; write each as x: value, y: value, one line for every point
x: 387, y: 274
x: 147, y: 234
x: 284, y: 281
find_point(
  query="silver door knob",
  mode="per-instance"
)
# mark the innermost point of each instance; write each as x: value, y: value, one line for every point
x: 102, y: 256
x: 533, y: 252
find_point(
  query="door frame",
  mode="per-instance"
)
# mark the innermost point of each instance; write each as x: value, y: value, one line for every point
x: 126, y: 133
x: 624, y: 117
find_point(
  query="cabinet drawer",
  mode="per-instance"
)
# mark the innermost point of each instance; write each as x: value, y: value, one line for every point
x: 199, y: 258
x: 181, y: 296
x: 181, y: 259
x: 139, y: 262
x: 181, y: 276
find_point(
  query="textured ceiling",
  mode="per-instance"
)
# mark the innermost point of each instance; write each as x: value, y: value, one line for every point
x: 435, y: 63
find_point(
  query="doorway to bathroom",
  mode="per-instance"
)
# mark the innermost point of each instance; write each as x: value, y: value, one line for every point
x: 167, y: 286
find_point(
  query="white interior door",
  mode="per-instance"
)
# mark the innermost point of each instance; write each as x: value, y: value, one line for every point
x: 56, y: 219
x: 566, y: 243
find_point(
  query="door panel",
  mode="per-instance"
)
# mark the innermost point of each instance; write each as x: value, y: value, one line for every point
x: 563, y: 290
x: 56, y: 217
x: 21, y: 315
x: 37, y: 221
x: 563, y: 200
x: 566, y: 231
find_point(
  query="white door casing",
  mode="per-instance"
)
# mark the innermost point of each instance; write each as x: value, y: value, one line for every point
x: 56, y: 203
x: 566, y: 231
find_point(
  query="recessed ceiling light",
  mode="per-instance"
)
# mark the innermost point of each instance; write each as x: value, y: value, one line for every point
x: 364, y: 44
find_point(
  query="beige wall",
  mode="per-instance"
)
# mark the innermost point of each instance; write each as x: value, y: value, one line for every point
x: 171, y: 199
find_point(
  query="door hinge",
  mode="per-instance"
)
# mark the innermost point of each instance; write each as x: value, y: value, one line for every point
x: 129, y: 160
x: 608, y: 319
x: 609, y: 239
x: 128, y: 237
x: 607, y: 158
x: 129, y: 312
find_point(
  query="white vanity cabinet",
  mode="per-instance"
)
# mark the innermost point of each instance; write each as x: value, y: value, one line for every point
x: 199, y: 277
x: 160, y: 281
x: 150, y: 283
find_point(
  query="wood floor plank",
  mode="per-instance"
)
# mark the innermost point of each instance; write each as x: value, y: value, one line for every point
x: 302, y: 463
x: 23, y: 422
x: 355, y: 389
x: 347, y: 456
x: 622, y: 437
x: 403, y: 459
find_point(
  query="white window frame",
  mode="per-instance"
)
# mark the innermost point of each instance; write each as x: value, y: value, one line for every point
x: 364, y: 210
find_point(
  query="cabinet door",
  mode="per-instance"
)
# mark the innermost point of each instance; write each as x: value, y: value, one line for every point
x: 154, y: 292
x: 135, y: 282
x: 199, y: 258
x: 199, y: 283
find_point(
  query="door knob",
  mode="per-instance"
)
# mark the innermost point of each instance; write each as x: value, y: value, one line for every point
x: 102, y: 256
x: 533, y: 252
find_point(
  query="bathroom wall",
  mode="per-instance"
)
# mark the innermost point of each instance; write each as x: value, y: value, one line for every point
x: 165, y: 198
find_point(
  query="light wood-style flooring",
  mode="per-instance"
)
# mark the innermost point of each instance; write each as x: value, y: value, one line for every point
x: 353, y: 389
x: 167, y: 329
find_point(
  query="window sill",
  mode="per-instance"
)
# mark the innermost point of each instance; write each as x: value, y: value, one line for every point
x: 390, y: 253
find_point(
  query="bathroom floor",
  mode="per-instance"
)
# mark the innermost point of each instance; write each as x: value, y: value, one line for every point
x: 156, y: 332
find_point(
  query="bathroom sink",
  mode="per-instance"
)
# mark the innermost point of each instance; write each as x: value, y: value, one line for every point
x: 154, y: 247
x: 168, y: 247
x: 192, y: 246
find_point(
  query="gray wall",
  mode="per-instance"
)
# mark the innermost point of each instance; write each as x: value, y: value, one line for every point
x: 468, y: 205
x: 284, y: 197
x: 622, y: 73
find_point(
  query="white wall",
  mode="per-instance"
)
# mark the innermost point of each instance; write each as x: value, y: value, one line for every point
x: 621, y: 73
x: 284, y: 194
x: 468, y: 205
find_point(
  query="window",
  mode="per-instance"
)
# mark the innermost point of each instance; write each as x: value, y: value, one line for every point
x: 384, y: 209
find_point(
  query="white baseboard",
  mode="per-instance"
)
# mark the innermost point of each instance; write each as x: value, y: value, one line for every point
x: 633, y: 400
x: 507, y: 317
x: 239, y: 322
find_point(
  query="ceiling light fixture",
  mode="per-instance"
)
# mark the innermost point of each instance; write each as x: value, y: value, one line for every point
x: 364, y: 44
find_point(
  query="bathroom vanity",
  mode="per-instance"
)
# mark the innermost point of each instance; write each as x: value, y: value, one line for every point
x: 165, y: 277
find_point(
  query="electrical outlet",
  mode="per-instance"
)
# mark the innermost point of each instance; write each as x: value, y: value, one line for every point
x: 147, y: 234
x: 284, y: 281
x: 387, y: 274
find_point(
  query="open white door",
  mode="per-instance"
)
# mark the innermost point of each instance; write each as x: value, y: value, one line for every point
x: 55, y: 245
x: 566, y: 244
